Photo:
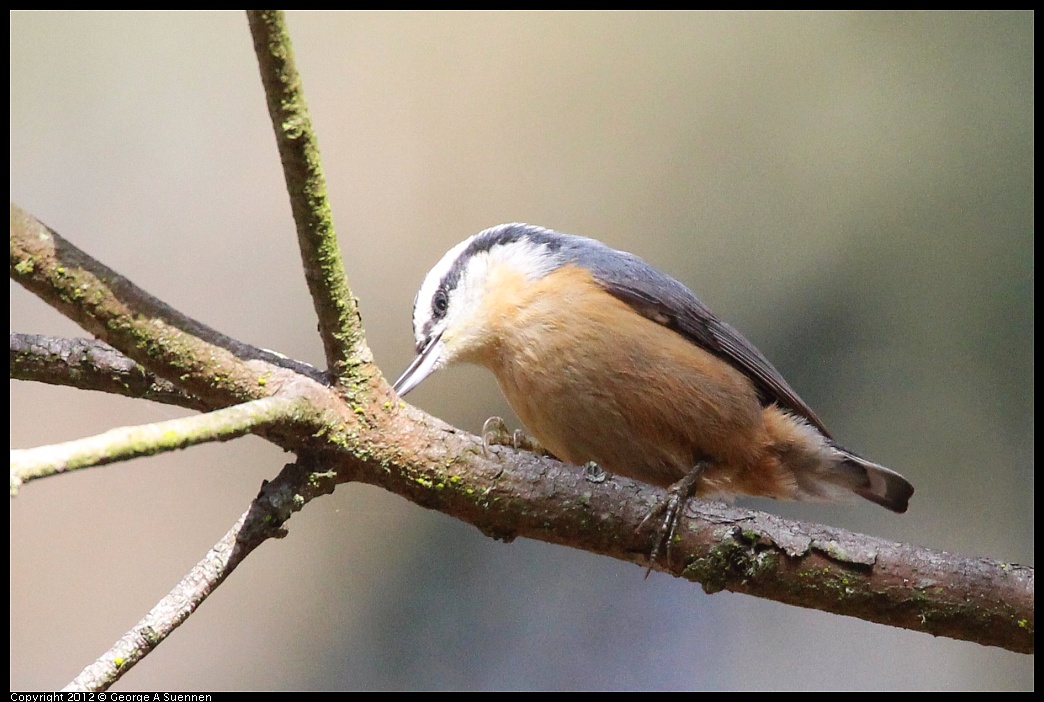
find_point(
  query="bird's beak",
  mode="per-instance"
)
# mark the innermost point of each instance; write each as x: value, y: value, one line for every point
x: 421, y: 367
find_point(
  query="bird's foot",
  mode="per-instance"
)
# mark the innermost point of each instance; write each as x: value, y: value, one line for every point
x: 672, y: 507
x: 496, y: 433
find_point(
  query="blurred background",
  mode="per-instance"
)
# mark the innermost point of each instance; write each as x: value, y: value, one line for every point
x: 853, y: 191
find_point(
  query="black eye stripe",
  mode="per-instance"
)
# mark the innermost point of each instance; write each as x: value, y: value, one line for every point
x: 440, y: 302
x: 439, y: 305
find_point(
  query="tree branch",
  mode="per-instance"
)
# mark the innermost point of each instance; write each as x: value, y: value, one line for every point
x: 512, y: 494
x: 277, y: 500
x: 196, y: 358
x: 90, y: 365
x: 126, y: 443
x: 376, y: 438
x: 339, y: 324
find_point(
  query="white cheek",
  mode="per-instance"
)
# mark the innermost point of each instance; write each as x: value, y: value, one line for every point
x: 465, y: 337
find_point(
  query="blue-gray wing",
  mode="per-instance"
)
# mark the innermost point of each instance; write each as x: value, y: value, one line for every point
x: 661, y: 298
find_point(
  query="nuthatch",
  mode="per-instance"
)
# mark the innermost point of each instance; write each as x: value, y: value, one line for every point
x: 606, y: 359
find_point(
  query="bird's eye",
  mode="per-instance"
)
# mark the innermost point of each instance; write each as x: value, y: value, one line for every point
x: 440, y: 302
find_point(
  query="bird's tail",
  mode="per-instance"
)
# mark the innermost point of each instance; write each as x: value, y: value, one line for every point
x: 818, y: 469
x: 874, y: 482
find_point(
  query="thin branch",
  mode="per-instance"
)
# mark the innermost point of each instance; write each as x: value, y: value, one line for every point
x: 126, y: 443
x: 288, y: 493
x: 90, y: 365
x: 197, y: 359
x: 339, y: 324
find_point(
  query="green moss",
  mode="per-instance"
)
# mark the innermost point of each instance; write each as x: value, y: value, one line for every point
x: 751, y: 536
x: 731, y: 561
x: 25, y: 267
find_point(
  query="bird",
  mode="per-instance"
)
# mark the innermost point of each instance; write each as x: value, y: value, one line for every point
x: 606, y: 359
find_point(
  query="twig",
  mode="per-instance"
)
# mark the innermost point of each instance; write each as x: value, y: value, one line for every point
x: 288, y: 493
x: 126, y: 443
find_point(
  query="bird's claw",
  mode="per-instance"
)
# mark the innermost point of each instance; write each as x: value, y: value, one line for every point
x: 673, y: 508
x: 496, y: 433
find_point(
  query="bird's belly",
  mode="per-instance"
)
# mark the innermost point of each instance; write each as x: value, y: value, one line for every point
x: 653, y: 418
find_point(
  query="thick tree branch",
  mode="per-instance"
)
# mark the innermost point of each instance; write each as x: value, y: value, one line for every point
x: 90, y: 365
x: 293, y: 488
x: 339, y: 323
x: 126, y: 443
x: 515, y: 494
x: 197, y: 359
